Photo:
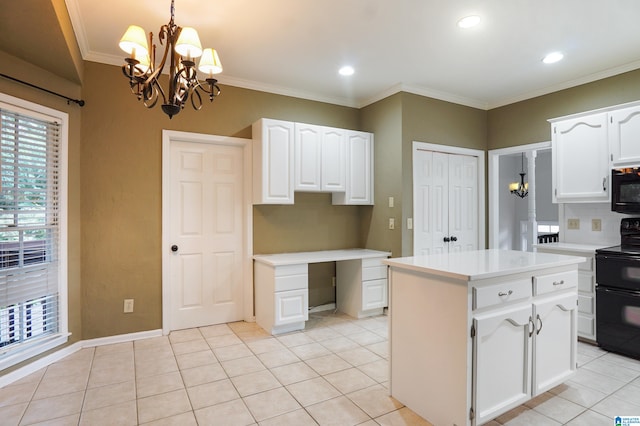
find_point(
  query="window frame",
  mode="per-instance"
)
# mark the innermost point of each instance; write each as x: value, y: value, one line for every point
x: 30, y: 349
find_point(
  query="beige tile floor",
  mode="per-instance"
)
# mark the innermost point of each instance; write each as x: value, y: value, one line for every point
x: 335, y: 372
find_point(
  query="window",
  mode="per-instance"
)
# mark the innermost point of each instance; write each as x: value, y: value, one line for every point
x: 32, y: 229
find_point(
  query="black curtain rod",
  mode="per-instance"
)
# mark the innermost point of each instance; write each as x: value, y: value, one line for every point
x: 77, y: 101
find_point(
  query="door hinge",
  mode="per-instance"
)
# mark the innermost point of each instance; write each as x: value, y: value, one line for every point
x: 554, y: 129
x: 472, y: 414
x: 611, y: 118
x: 473, y: 331
x: 611, y: 157
x: 555, y: 191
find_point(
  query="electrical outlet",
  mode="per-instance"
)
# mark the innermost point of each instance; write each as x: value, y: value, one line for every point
x: 392, y: 223
x: 596, y: 225
x: 333, y: 281
x: 573, y: 223
x: 128, y: 306
x: 391, y: 202
x: 409, y: 223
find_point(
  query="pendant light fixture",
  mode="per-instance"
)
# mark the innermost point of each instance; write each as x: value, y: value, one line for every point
x: 182, y: 46
x: 521, y: 189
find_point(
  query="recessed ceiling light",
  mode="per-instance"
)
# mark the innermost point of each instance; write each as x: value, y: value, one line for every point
x: 469, y: 21
x: 346, y: 70
x: 553, y: 57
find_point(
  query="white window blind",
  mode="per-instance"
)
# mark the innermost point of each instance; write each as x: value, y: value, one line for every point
x: 29, y: 229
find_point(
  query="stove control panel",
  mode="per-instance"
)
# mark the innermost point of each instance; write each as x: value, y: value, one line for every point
x: 630, y: 226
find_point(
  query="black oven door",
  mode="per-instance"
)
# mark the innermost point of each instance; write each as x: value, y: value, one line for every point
x: 618, y: 320
x: 619, y: 270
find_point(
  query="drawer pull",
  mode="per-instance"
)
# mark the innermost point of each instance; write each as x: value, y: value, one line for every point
x: 502, y: 293
x: 558, y: 282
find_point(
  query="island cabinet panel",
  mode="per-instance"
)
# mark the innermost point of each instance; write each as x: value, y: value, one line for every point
x: 502, y: 360
x: 470, y: 340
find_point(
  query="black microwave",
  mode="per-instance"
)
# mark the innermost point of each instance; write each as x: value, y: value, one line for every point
x: 625, y: 190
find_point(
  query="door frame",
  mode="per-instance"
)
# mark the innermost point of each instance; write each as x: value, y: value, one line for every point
x: 169, y: 136
x: 494, y: 179
x: 446, y: 149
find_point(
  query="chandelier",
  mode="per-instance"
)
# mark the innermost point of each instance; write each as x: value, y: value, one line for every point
x: 520, y: 189
x: 182, y: 46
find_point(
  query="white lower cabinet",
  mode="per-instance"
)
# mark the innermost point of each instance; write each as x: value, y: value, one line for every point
x: 586, y: 287
x: 361, y: 289
x: 502, y: 361
x: 522, y: 350
x: 282, y: 297
x: 291, y: 306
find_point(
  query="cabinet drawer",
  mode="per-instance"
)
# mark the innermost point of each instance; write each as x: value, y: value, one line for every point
x: 587, y: 265
x: 497, y: 294
x: 586, y: 282
x: 374, y: 273
x: 300, y: 269
x: 586, y: 304
x: 554, y: 282
x: 586, y: 326
x: 373, y: 261
x: 292, y: 282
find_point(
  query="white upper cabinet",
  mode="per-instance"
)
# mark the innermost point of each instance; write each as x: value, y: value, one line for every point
x: 273, y: 162
x: 359, y: 188
x: 290, y: 157
x: 308, y: 161
x: 624, y: 136
x: 580, y: 157
x: 320, y: 161
x: 334, y: 160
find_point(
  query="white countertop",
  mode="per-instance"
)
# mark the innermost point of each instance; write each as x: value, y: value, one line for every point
x: 579, y: 248
x: 481, y: 264
x: 281, y: 259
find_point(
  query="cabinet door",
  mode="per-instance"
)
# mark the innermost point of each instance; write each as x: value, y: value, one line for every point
x: 580, y: 156
x: 308, y: 140
x: 334, y: 162
x: 273, y: 162
x: 291, y: 306
x: 624, y: 134
x: 555, y: 341
x: 359, y: 183
x: 501, y: 361
x: 374, y: 294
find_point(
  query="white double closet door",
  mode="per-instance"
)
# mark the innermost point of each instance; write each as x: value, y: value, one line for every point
x: 445, y: 200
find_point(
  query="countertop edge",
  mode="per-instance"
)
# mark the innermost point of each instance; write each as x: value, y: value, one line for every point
x: 296, y: 258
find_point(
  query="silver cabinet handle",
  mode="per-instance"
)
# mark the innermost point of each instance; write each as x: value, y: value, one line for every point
x: 558, y: 282
x: 539, y: 328
x: 533, y: 326
x: 604, y: 183
x: 502, y: 293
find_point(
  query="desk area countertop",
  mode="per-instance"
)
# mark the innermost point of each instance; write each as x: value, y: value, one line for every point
x: 481, y: 264
x: 281, y: 259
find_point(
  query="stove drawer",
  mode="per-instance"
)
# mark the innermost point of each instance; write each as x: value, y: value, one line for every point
x: 543, y: 284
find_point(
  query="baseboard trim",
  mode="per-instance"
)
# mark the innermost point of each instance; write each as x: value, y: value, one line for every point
x: 322, y: 308
x: 7, y: 379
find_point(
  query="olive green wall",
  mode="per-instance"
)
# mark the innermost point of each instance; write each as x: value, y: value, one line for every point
x: 398, y: 121
x: 121, y: 193
x: 384, y: 120
x: 17, y: 68
x: 526, y: 122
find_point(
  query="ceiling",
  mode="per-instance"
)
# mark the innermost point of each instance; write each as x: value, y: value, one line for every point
x: 295, y: 47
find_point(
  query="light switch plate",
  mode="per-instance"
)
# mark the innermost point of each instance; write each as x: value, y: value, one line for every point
x: 392, y: 223
x: 573, y: 223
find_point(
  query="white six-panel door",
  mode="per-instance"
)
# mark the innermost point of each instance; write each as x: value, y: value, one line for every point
x: 206, y: 190
x: 445, y: 202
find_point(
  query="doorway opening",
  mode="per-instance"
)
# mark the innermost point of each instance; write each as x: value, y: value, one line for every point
x: 519, y: 223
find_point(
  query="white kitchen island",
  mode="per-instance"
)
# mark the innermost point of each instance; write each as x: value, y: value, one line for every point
x: 475, y: 334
